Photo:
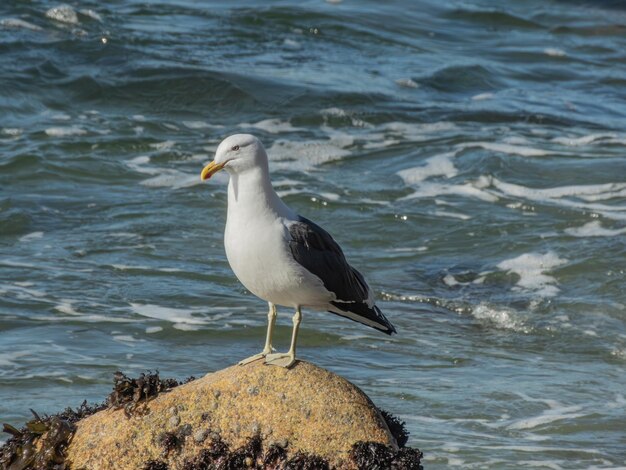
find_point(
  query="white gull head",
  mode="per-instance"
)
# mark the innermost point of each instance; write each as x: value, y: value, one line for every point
x: 237, y: 154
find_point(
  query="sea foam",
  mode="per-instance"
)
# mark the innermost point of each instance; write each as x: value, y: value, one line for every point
x: 531, y: 269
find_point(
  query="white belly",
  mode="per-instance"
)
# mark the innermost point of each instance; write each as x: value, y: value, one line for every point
x: 259, y: 255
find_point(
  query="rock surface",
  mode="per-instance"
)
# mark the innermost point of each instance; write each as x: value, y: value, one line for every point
x: 307, y: 409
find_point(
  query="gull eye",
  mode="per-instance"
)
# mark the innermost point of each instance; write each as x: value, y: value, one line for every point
x: 234, y: 148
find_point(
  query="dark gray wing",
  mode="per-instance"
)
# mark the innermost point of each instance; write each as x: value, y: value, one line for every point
x: 314, y: 249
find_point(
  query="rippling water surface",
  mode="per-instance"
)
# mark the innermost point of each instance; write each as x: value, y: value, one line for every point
x: 468, y: 156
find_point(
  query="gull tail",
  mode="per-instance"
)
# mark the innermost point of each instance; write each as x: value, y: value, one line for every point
x: 363, y: 313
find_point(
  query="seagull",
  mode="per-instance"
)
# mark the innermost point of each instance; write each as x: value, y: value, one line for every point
x: 280, y: 256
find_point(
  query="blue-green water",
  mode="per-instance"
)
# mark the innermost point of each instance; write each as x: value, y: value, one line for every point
x: 468, y: 156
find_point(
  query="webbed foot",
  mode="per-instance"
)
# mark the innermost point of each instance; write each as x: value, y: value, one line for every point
x: 256, y: 357
x: 281, y: 359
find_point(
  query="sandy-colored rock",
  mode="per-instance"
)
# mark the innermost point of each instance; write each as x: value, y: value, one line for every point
x: 311, y: 409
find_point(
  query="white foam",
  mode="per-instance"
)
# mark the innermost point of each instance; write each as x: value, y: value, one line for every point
x: 338, y: 112
x: 500, y: 317
x: 416, y: 132
x: 23, y: 293
x: 164, y: 177
x: 273, y: 126
x: 139, y: 164
x: 330, y: 196
x: 65, y: 131
x: 17, y: 23
x: 126, y: 267
x: 165, y: 145
x: 175, y: 179
x: 507, y: 148
x: 91, y: 14
x: 24, y: 283
x: 482, y: 96
x: 381, y: 144
x: 201, y: 125
x: 406, y: 83
x: 309, y: 153
x: 531, y: 269
x: 174, y: 315
x: 12, y: 131
x: 291, y: 44
x: 548, y: 416
x: 439, y: 165
x: 8, y: 359
x: 409, y: 249
x: 554, y: 52
x: 583, y: 140
x: 66, y: 307
x: 63, y: 13
x: 31, y: 236
x: 16, y: 264
x: 472, y: 189
x: 185, y: 327
x: 453, y: 215
x: 450, y: 280
x: 563, y: 196
x: 153, y: 329
x: 125, y: 339
x: 61, y: 117
x: 594, y: 229
x: 592, y: 192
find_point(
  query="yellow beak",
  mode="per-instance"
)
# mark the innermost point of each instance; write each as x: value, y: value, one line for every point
x: 211, y: 169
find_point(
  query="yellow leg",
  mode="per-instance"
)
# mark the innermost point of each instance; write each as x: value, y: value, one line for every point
x: 287, y: 359
x: 271, y: 321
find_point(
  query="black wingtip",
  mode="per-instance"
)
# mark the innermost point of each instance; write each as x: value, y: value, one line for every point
x: 362, y: 313
x: 390, y: 329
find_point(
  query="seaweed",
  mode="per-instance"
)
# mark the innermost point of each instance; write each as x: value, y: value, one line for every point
x: 377, y: 456
x: 42, y: 442
x: 170, y: 441
x: 40, y: 445
x: 396, y: 427
x: 134, y: 394
x: 247, y: 456
x: 155, y: 465
x: 371, y: 455
x: 274, y: 456
x: 302, y: 461
x: 214, y: 456
x: 407, y: 459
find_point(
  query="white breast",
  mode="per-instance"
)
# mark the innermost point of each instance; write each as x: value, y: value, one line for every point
x: 257, y: 247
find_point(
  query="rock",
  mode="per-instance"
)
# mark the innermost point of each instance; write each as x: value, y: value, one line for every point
x: 308, y: 409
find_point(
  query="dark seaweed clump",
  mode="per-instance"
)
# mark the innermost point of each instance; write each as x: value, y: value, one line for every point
x: 155, y: 465
x: 396, y: 427
x: 364, y: 455
x: 377, y: 456
x: 130, y: 393
x: 306, y: 462
x: 42, y: 442
x: 170, y: 441
x: 217, y: 456
x: 213, y: 456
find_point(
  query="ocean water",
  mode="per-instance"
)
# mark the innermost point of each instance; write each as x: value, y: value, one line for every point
x: 469, y: 156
